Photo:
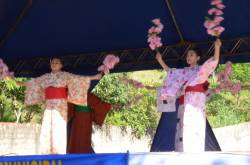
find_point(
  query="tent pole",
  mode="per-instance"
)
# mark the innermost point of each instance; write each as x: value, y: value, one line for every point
x: 18, y: 20
x: 174, y: 20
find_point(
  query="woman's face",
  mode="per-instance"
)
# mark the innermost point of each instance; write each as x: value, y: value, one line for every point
x: 192, y: 58
x: 55, y: 64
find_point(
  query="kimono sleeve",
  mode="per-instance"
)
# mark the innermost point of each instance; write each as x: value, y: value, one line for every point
x: 77, y: 89
x: 205, y: 71
x: 34, y: 93
x: 99, y: 107
x: 173, y: 83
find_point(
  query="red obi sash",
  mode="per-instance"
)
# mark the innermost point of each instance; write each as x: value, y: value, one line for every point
x: 202, y: 88
x: 56, y: 93
x: 181, y: 100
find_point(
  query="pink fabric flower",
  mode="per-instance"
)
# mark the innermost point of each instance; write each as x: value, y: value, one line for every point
x: 108, y: 63
x: 220, y: 6
x: 218, y: 30
x: 218, y: 19
x: 156, y: 21
x: 215, y: 11
x: 151, y: 30
x: 154, y: 42
x: 211, y: 32
x: 155, y: 30
x: 216, y: 2
x: 210, y: 24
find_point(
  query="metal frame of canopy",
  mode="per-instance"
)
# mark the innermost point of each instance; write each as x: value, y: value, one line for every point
x: 173, y: 54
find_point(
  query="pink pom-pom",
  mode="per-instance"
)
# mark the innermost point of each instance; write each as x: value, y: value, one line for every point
x: 153, y: 39
x: 108, y: 63
x: 213, y: 25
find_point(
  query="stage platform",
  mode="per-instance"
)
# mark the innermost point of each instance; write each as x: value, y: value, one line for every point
x: 161, y: 158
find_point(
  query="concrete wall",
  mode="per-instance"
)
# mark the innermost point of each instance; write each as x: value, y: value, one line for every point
x: 19, y: 139
x: 234, y: 138
x: 23, y: 139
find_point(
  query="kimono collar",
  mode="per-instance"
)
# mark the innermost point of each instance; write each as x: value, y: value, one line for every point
x: 194, y: 67
x: 56, y: 73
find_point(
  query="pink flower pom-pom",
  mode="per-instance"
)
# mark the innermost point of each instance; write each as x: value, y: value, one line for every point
x: 108, y: 63
x: 154, y: 42
x: 153, y: 39
x: 213, y: 25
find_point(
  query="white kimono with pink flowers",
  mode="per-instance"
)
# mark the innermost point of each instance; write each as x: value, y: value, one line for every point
x: 53, y: 137
x: 192, y: 113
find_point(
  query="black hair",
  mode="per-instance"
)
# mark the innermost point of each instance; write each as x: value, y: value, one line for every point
x: 197, y: 51
x: 56, y: 57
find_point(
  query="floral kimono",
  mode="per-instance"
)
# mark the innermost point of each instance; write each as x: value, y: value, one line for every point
x: 191, y: 82
x: 55, y: 90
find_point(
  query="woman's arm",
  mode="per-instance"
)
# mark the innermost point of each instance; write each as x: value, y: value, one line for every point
x: 217, y: 46
x: 161, y: 62
x: 96, y: 77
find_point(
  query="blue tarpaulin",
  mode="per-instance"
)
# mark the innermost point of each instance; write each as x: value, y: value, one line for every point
x: 82, y: 32
x: 130, y: 159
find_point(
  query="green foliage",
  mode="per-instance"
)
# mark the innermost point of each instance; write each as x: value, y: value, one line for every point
x: 226, y: 109
x: 137, y: 106
x: 241, y: 72
x: 12, y: 108
x: 111, y: 90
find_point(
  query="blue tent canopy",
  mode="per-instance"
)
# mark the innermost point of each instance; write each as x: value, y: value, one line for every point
x: 82, y: 32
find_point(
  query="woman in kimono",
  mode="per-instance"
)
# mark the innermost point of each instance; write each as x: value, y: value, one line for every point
x: 190, y: 85
x: 55, y: 90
